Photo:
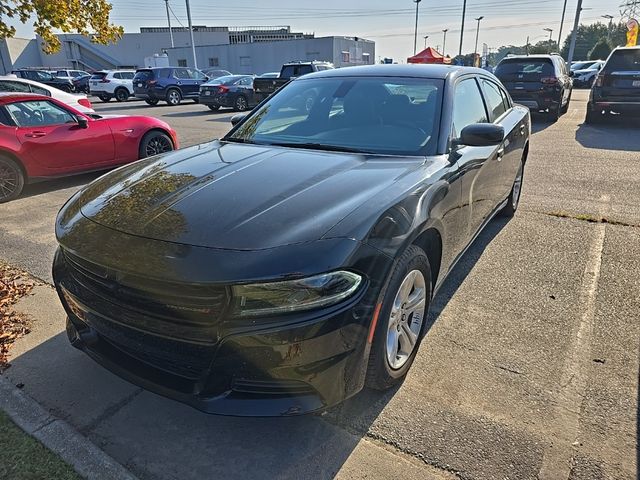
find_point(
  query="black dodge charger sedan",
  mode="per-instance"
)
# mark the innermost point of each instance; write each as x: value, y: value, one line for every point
x: 280, y: 269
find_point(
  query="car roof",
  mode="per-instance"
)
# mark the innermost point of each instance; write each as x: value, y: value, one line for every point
x: 9, y: 97
x: 395, y: 70
x: 636, y: 47
x: 24, y: 80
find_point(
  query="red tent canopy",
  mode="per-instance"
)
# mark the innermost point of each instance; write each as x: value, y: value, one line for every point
x: 429, y: 55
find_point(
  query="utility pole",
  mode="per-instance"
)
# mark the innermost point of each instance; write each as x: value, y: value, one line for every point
x: 527, y: 47
x: 444, y: 42
x: 193, y: 45
x: 415, y: 35
x: 564, y: 9
x: 475, y: 49
x: 464, y: 11
x: 576, y: 22
x: 610, y: 18
x: 425, y: 41
x: 550, y: 30
x: 166, y: 4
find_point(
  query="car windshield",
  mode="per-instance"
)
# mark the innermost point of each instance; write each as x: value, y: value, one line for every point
x: 385, y: 115
x: 98, y: 75
x: 143, y: 75
x: 624, y: 60
x: 526, y: 69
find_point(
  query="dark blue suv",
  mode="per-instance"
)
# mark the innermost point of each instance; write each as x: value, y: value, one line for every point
x: 171, y: 84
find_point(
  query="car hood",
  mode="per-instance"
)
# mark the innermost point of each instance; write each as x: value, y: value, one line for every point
x: 241, y: 197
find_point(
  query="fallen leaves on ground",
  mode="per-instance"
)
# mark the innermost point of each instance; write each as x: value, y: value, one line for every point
x: 14, y: 284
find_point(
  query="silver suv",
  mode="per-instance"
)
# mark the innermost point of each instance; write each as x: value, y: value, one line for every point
x: 109, y: 84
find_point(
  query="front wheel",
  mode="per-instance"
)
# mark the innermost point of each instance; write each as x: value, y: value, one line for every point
x: 155, y: 143
x: 151, y: 101
x: 11, y: 180
x: 514, y: 197
x: 401, y: 321
x: 104, y: 98
x: 214, y: 108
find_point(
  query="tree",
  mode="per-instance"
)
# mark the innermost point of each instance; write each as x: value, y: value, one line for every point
x: 588, y: 35
x: 87, y: 17
x: 600, y: 50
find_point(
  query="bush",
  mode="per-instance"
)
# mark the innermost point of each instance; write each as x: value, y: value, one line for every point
x: 600, y: 50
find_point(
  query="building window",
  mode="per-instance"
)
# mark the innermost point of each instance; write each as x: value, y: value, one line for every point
x: 182, y: 62
x: 214, y: 62
x: 366, y: 58
x: 346, y: 57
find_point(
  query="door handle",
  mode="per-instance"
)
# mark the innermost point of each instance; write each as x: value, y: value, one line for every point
x: 522, y: 129
x: 35, y: 134
x: 500, y: 153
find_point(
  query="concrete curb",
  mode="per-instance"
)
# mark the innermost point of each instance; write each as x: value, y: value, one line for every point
x: 59, y: 437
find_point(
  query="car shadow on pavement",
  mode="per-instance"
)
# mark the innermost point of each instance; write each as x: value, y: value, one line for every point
x: 540, y: 122
x: 39, y: 188
x: 608, y: 136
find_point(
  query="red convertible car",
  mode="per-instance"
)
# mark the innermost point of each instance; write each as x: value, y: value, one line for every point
x: 41, y: 137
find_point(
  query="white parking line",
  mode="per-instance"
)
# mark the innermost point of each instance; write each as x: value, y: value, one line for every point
x: 556, y: 463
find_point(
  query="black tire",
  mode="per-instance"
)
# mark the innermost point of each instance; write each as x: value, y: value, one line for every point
x: 592, y: 116
x: 555, y: 114
x: 380, y: 373
x: 565, y: 109
x: 173, y: 97
x: 122, y: 94
x: 105, y: 98
x: 214, y: 108
x: 513, y: 201
x: 11, y: 180
x: 196, y: 100
x: 241, y: 104
x: 155, y: 142
x: 65, y: 88
x: 151, y: 101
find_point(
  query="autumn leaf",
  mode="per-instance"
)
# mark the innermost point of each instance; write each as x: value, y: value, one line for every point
x: 86, y: 17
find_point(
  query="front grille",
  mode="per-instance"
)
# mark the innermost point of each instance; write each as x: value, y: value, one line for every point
x: 272, y: 387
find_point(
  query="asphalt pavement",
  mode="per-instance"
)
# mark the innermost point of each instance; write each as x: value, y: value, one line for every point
x: 529, y: 370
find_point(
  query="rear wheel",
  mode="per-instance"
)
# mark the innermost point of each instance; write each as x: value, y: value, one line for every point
x: 514, y: 197
x: 151, y: 101
x: 155, y: 143
x: 173, y: 97
x: 214, y: 108
x: 240, y: 105
x: 555, y: 113
x: 122, y: 94
x: 104, y: 98
x: 401, y: 321
x: 11, y: 180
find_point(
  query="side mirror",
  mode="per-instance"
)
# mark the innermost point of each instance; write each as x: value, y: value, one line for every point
x: 481, y: 135
x: 82, y: 122
x: 237, y: 118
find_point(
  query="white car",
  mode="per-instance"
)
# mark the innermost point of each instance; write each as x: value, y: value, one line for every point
x: 109, y: 84
x: 584, y: 77
x: 79, y: 101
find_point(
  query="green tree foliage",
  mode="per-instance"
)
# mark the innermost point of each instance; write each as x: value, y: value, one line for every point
x: 589, y: 35
x: 600, y: 50
x: 87, y: 17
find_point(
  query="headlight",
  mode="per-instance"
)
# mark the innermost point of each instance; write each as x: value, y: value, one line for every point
x: 294, y: 295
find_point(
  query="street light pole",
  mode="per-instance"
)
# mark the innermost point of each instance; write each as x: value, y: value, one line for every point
x: 574, y: 34
x: 444, y: 42
x: 425, y: 41
x: 169, y: 22
x: 193, y: 45
x: 564, y: 9
x: 415, y: 35
x: 610, y: 18
x: 475, y: 49
x: 550, y: 30
x: 464, y: 11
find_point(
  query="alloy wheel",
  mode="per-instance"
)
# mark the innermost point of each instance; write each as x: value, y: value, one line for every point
x: 174, y: 97
x: 157, y: 145
x: 8, y: 181
x: 406, y: 318
x: 241, y: 104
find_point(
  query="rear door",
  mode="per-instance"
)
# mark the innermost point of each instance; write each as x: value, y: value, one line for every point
x: 621, y: 76
x: 50, y: 135
x: 524, y: 79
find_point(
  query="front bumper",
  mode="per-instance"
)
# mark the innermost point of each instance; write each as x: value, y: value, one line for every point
x: 297, y: 364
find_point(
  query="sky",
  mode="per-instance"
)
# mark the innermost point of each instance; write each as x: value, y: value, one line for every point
x: 390, y: 23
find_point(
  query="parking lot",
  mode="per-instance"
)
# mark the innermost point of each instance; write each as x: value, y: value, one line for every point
x: 530, y: 370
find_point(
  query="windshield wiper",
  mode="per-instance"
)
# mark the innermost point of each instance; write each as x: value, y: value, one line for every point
x: 318, y: 146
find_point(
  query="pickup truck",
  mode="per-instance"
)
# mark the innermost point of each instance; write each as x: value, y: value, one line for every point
x: 265, y: 87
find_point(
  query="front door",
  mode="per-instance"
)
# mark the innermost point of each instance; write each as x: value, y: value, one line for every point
x: 51, y: 136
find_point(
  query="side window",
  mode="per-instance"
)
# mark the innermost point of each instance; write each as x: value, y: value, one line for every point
x: 197, y: 74
x: 38, y: 114
x: 13, y: 87
x: 117, y: 75
x: 5, y: 119
x: 40, y: 91
x: 181, y: 73
x: 468, y: 107
x: 247, y: 82
x: 127, y: 75
x: 495, y: 100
